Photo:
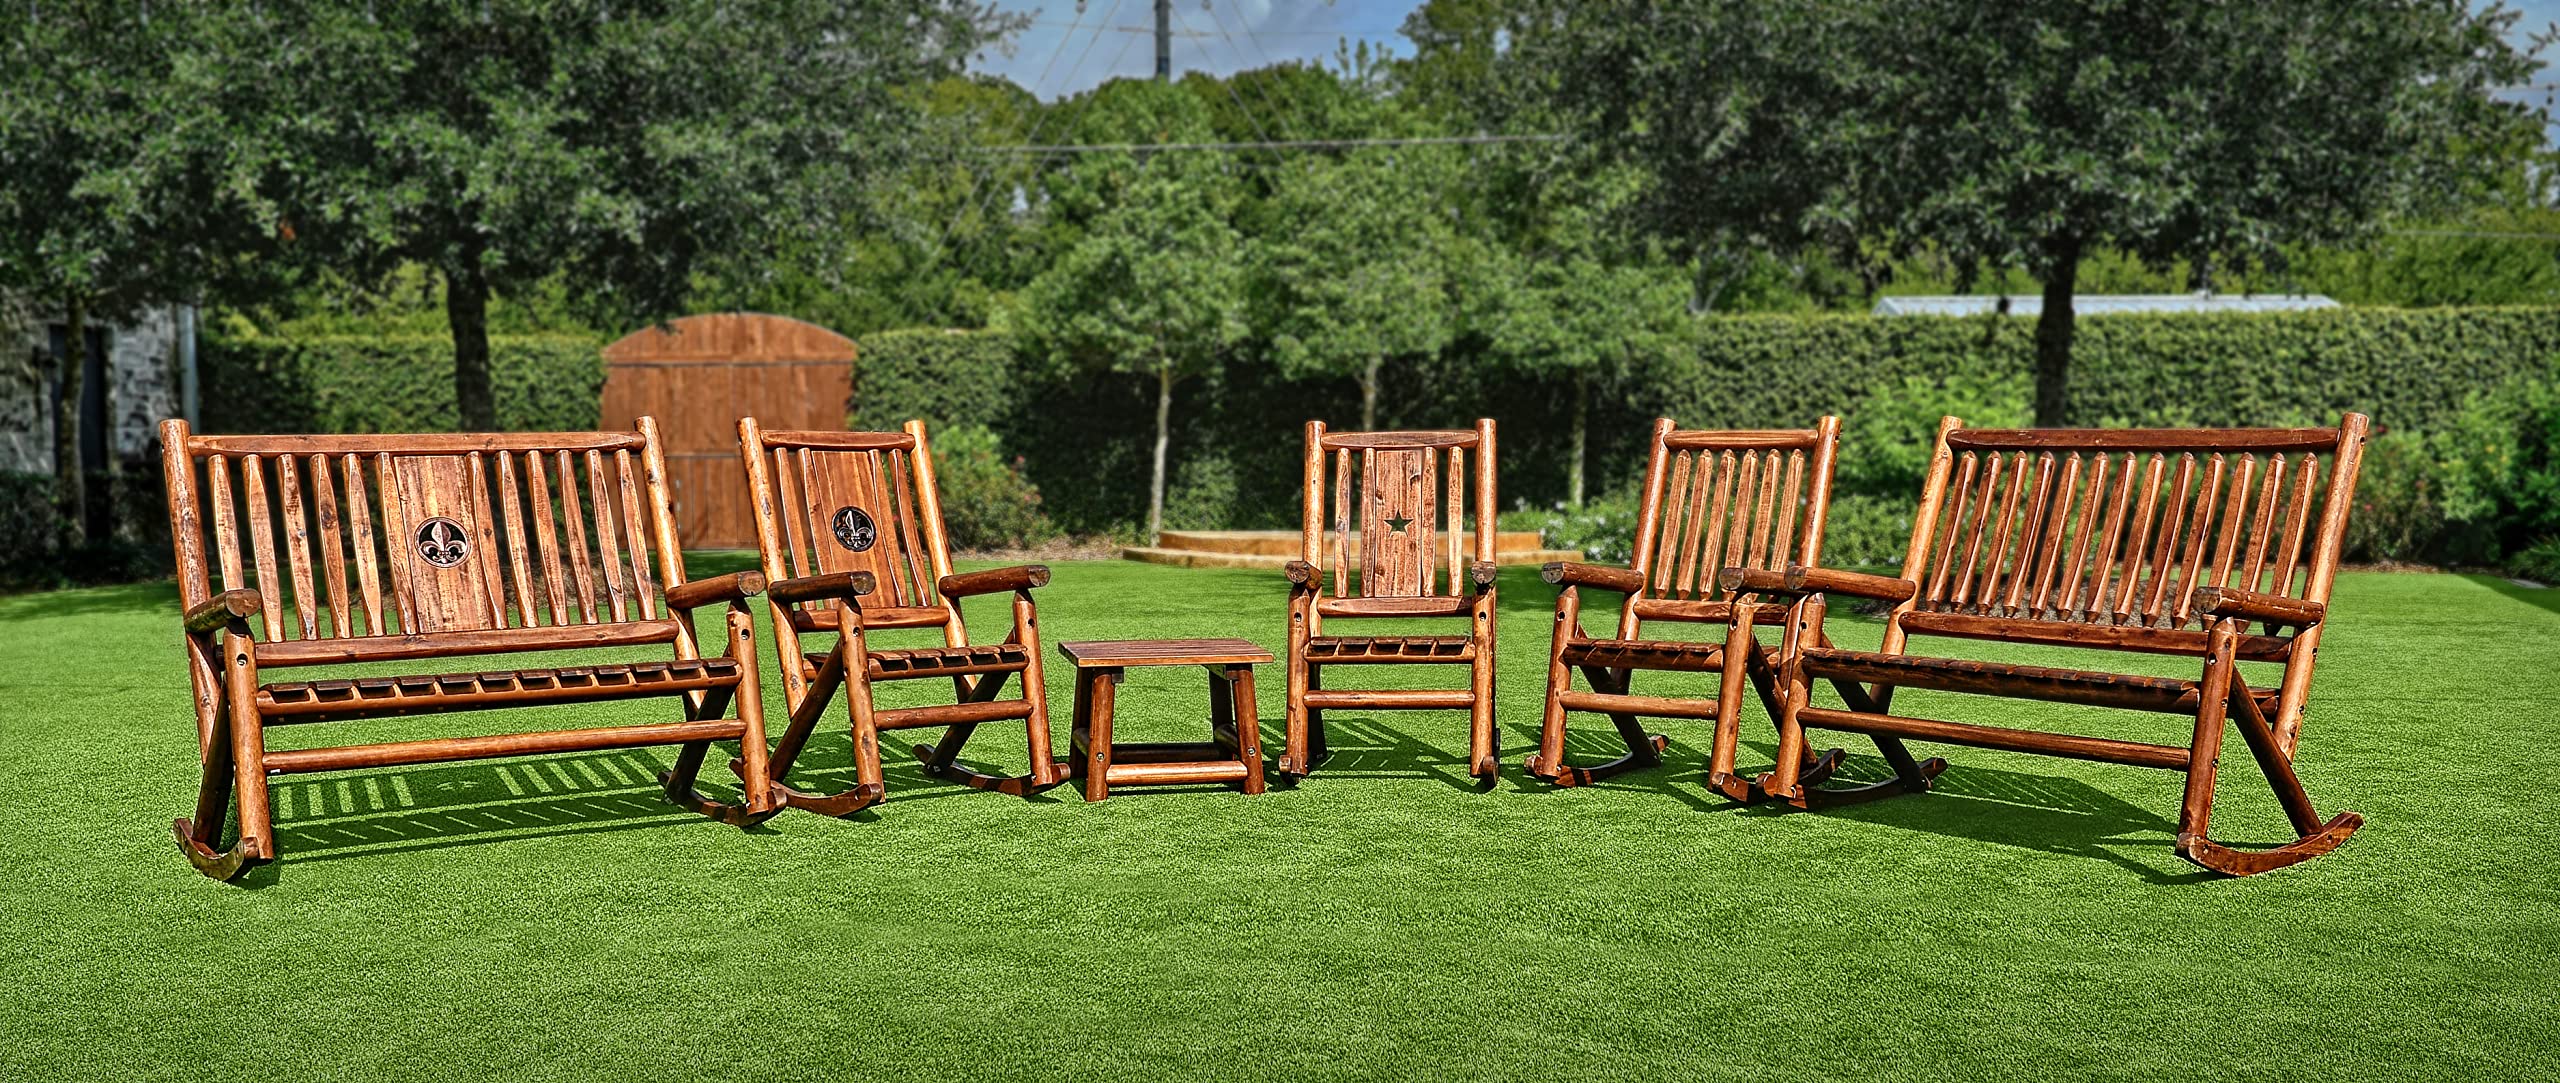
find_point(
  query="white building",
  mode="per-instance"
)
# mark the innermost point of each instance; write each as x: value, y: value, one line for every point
x: 133, y: 381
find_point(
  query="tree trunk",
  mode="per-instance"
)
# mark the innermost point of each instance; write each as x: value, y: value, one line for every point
x: 1369, y: 394
x: 2054, y: 329
x: 1581, y: 428
x: 466, y: 310
x: 1164, y: 436
x: 69, y: 489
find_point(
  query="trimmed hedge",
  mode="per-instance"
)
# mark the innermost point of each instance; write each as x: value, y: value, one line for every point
x: 1235, y: 461
x: 393, y: 384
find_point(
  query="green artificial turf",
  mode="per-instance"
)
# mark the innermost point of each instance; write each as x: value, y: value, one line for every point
x: 553, y: 919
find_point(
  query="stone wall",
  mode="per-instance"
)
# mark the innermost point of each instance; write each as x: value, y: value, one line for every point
x: 142, y: 385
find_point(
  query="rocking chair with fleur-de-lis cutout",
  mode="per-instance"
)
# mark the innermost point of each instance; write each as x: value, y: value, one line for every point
x: 1398, y: 567
x: 849, y: 525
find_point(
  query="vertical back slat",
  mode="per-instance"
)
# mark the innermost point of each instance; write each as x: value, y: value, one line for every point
x: 1948, y: 538
x: 2297, y: 518
x: 484, y: 542
x: 2137, y: 538
x: 519, y: 559
x: 2235, y: 519
x: 1454, y: 510
x: 2164, y: 548
x: 2102, y: 563
x: 2024, y: 473
x: 395, y: 535
x: 262, y: 545
x: 360, y: 536
x: 1342, y: 523
x: 2261, y: 524
x: 1426, y: 520
x: 911, y: 542
x: 1764, y: 507
x: 608, y: 547
x: 1674, y: 525
x: 2084, y: 539
x: 2055, y: 501
x: 635, y: 525
x: 1790, y: 509
x: 2199, y: 538
x: 546, y: 536
x: 226, y: 529
x: 1706, y: 533
x: 333, y: 547
x: 297, y: 541
x: 1974, y: 534
x: 1736, y: 523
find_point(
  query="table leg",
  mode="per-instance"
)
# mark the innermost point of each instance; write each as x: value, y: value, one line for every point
x: 1080, y: 723
x: 1248, y: 726
x: 1097, y: 776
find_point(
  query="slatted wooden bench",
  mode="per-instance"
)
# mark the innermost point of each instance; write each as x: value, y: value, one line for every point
x: 849, y: 528
x: 329, y: 550
x: 1398, y: 508
x: 1756, y: 499
x: 2162, y: 541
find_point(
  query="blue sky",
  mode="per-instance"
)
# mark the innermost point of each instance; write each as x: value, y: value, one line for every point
x: 1066, y: 50
x: 1063, y: 52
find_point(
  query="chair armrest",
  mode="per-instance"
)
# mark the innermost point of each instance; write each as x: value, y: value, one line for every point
x: 831, y: 586
x: 222, y: 609
x: 1303, y: 574
x: 993, y: 581
x: 733, y: 587
x: 2219, y: 602
x: 1481, y: 575
x: 1566, y: 573
x: 1799, y: 580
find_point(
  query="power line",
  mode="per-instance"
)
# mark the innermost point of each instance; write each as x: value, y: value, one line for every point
x: 2477, y: 234
x: 1275, y: 144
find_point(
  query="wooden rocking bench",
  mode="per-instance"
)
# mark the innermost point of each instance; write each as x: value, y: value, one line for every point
x: 431, y: 580
x: 1398, y: 561
x: 2162, y: 541
x: 1710, y: 499
x: 849, y: 526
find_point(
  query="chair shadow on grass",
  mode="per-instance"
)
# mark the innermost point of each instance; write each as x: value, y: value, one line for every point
x: 1362, y: 746
x: 330, y: 817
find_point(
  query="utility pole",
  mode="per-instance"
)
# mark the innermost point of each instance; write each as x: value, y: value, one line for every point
x: 1164, y: 41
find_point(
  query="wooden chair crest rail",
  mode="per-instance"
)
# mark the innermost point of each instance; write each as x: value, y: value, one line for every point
x: 2162, y: 541
x: 1378, y: 555
x: 850, y: 529
x: 1711, y: 499
x: 381, y: 548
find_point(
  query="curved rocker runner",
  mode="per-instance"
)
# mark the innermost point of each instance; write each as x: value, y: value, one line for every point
x: 433, y: 580
x: 2161, y: 541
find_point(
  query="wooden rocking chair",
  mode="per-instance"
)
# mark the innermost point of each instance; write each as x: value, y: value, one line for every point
x: 2162, y: 541
x: 1711, y: 499
x: 1398, y: 563
x: 431, y: 580
x: 850, y: 527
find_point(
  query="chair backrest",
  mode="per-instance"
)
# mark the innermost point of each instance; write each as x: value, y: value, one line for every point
x: 385, y: 546
x: 2119, y: 526
x: 1387, y: 510
x: 1719, y: 499
x: 851, y: 502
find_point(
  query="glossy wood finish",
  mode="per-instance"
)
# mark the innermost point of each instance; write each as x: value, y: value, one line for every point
x: 1233, y: 753
x: 1710, y: 500
x: 464, y: 564
x: 1411, y: 487
x: 849, y: 529
x: 2159, y: 541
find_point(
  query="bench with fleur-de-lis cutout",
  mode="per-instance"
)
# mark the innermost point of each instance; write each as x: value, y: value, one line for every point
x: 1392, y: 565
x: 317, y: 550
x: 2162, y: 541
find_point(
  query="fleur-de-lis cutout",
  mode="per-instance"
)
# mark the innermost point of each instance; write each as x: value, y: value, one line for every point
x: 442, y: 543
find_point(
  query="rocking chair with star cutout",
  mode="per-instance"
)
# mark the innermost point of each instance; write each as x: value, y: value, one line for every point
x: 1382, y: 557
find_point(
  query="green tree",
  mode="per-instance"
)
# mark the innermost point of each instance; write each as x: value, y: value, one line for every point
x: 620, y: 149
x: 1589, y: 322
x: 1151, y: 288
x: 2030, y: 134
x: 1356, y: 269
x: 118, y: 191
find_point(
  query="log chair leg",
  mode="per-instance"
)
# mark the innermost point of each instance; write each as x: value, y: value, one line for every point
x: 760, y: 800
x: 1484, y: 738
x: 1739, y: 652
x: 1317, y: 749
x: 1784, y: 781
x: 1248, y: 726
x: 1295, y: 758
x: 247, y: 762
x: 2224, y: 695
x: 804, y: 718
x: 1545, y: 762
x: 1045, y: 771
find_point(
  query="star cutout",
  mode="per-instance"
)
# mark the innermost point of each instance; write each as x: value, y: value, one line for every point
x: 1398, y: 523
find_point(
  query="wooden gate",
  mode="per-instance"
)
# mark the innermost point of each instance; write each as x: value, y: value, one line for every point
x: 698, y: 375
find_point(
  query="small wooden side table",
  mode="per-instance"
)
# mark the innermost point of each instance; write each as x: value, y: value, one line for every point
x: 1233, y: 754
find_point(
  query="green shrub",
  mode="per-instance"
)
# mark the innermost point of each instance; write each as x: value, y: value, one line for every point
x: 1886, y: 445
x: 393, y: 384
x: 986, y: 504
x: 945, y: 377
x: 2396, y: 518
x: 1868, y: 531
x: 2539, y: 562
x: 1604, y: 529
x: 1203, y: 494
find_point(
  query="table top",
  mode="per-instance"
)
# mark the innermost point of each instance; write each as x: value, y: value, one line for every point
x: 1124, y: 653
